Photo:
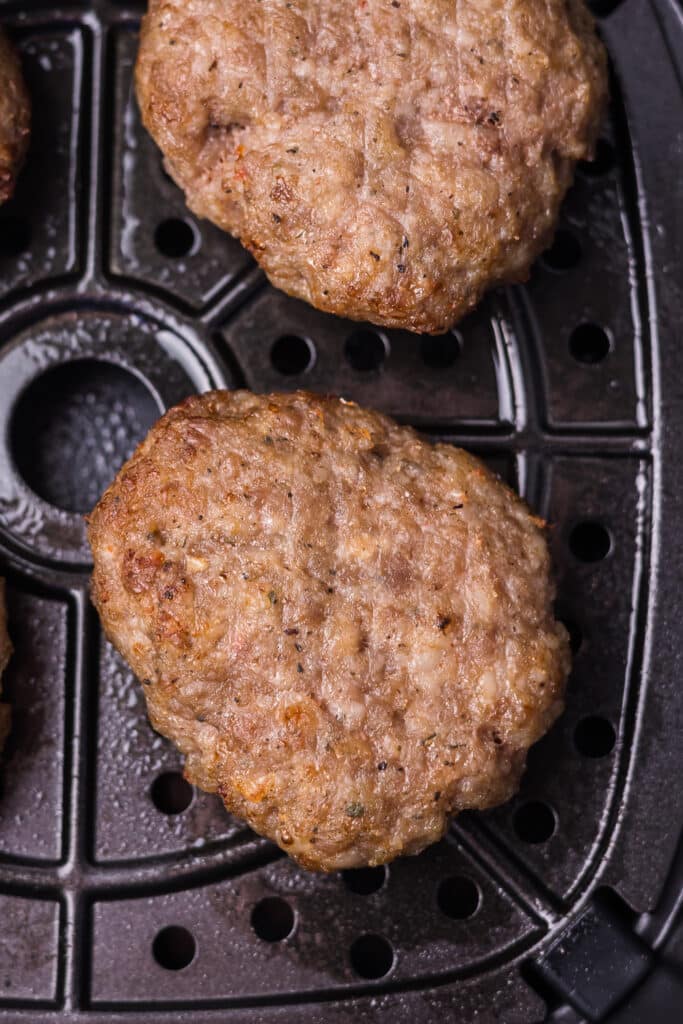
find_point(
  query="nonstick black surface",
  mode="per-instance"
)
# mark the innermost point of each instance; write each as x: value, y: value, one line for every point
x: 127, y: 896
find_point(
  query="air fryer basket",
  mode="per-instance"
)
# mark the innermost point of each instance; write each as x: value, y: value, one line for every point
x: 127, y: 896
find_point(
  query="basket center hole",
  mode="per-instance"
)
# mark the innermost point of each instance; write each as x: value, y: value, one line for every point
x: 96, y: 409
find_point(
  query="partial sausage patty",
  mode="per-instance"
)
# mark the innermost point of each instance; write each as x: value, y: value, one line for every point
x: 347, y: 630
x: 387, y: 161
x: 15, y: 115
x: 5, y: 652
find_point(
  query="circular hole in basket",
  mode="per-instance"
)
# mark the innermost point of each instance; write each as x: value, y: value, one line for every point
x: 589, y: 343
x: 572, y: 627
x: 99, y: 410
x: 292, y: 354
x: 272, y: 919
x: 371, y: 956
x: 575, y: 634
x: 534, y: 822
x: 440, y: 351
x: 171, y: 793
x: 602, y: 8
x: 458, y: 897
x: 175, y: 238
x: 15, y: 236
x: 365, y: 350
x: 590, y: 542
x: 604, y: 161
x: 174, y: 948
x: 365, y: 881
x: 594, y: 736
x: 564, y: 253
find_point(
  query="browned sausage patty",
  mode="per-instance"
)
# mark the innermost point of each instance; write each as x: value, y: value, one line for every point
x: 384, y: 161
x: 15, y: 116
x: 5, y: 651
x: 347, y: 630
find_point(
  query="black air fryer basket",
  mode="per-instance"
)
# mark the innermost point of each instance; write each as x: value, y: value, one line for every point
x: 127, y: 896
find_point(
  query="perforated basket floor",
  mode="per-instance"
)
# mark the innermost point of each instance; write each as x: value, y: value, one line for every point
x: 124, y: 894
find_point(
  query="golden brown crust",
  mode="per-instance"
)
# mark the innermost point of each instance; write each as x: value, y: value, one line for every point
x: 15, y: 116
x: 347, y: 630
x: 387, y: 163
x: 5, y: 652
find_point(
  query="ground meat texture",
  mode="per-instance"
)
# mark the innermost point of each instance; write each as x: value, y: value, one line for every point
x: 387, y: 162
x: 5, y: 651
x: 347, y: 630
x: 14, y: 117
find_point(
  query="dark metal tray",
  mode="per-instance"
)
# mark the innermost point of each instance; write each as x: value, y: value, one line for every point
x: 124, y: 895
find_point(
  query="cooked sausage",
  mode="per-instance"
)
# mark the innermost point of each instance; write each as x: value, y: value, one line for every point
x: 347, y: 630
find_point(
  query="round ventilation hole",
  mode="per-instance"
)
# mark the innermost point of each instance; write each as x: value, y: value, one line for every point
x: 604, y: 161
x: 174, y: 948
x: 15, y: 236
x: 371, y: 956
x: 291, y: 355
x: 441, y: 351
x: 564, y: 253
x: 594, y: 736
x: 365, y: 881
x: 572, y: 627
x: 171, y: 793
x: 589, y: 343
x: 365, y: 351
x: 272, y: 919
x: 590, y: 542
x: 175, y: 238
x: 602, y: 8
x: 534, y: 822
x: 458, y: 897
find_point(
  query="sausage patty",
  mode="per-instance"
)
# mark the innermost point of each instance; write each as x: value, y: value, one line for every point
x: 387, y: 162
x: 15, y: 115
x: 347, y: 630
x: 5, y: 651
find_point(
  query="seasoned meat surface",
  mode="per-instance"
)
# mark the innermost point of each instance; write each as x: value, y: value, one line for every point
x: 387, y: 161
x: 5, y: 651
x: 347, y: 630
x: 14, y: 117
